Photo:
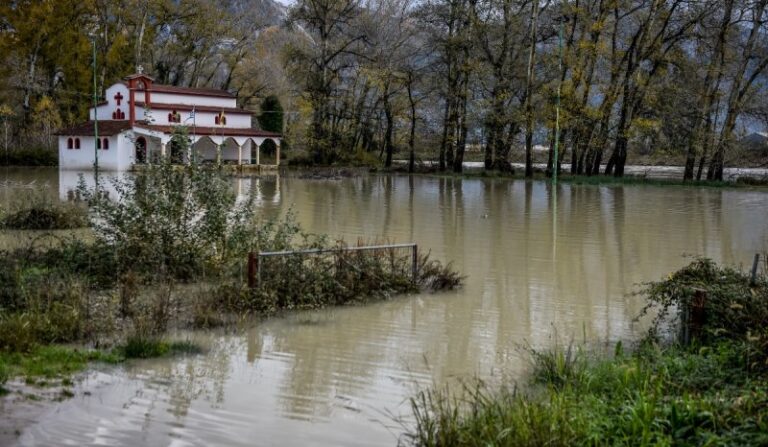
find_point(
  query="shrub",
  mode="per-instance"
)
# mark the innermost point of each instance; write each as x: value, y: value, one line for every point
x: 729, y: 306
x: 52, y: 314
x: 141, y: 347
x: 36, y: 156
x: 46, y: 217
x: 173, y: 222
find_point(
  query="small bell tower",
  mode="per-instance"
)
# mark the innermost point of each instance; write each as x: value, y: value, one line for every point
x: 138, y: 82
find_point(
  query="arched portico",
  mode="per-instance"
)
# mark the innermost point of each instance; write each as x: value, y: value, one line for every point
x: 208, y: 145
x: 260, y: 157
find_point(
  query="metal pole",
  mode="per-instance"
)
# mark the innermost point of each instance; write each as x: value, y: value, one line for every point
x: 557, y: 105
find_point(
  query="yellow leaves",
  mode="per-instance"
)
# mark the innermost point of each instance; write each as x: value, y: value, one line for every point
x: 6, y: 111
x: 643, y: 126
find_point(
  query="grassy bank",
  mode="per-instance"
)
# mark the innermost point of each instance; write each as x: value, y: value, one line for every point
x: 170, y: 251
x: 49, y: 365
x: 582, y: 179
x: 713, y: 391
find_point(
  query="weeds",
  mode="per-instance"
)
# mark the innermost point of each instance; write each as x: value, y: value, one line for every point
x: 142, y: 347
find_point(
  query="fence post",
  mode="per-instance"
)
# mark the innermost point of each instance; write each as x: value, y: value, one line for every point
x: 251, y: 270
x: 753, y: 278
x: 697, y: 315
x: 415, y: 261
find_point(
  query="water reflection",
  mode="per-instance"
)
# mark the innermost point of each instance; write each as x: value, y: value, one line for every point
x: 538, y: 259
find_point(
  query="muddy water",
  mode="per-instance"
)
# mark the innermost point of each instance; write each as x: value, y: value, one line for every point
x: 538, y: 260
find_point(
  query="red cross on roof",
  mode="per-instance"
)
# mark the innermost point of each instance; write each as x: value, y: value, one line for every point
x: 118, y: 98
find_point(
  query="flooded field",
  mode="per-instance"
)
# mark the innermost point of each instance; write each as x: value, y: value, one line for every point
x: 539, y: 260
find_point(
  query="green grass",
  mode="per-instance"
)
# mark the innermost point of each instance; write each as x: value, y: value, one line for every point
x: 50, y: 362
x: 150, y: 347
x: 656, y: 397
x: 43, y: 364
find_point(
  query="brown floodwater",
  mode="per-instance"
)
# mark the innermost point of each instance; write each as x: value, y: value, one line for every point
x: 542, y: 264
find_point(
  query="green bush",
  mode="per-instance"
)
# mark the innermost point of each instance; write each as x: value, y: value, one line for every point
x: 174, y: 222
x: 46, y: 217
x: 52, y: 314
x: 144, y: 347
x: 730, y: 307
x: 30, y: 157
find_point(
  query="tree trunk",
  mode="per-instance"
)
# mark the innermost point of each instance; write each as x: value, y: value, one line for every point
x: 389, y: 126
x: 529, y: 119
x: 412, y: 136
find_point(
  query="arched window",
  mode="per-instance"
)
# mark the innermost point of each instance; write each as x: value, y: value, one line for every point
x: 70, y: 143
x: 217, y: 119
x: 114, y: 115
x: 170, y: 117
x: 223, y: 120
x: 105, y: 144
x: 140, y: 85
x: 98, y: 143
x: 77, y: 143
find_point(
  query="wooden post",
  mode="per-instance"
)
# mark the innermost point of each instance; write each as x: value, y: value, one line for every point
x: 698, y: 315
x: 251, y: 270
x: 415, y: 260
x: 753, y: 278
x: 685, y: 321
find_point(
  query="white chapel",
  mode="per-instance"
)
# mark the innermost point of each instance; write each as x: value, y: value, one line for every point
x: 135, y: 125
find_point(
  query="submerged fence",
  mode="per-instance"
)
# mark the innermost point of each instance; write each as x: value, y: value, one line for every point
x: 255, y: 258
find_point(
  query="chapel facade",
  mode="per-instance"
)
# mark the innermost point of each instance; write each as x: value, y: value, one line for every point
x: 137, y: 121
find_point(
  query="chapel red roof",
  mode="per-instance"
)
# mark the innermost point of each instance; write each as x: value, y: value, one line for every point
x: 158, y: 106
x: 213, y: 131
x: 160, y: 88
x: 107, y: 128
